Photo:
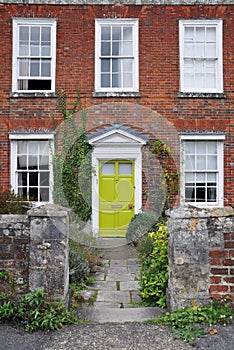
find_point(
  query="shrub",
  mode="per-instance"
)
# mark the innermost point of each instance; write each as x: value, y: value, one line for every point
x: 82, y: 260
x: 11, y: 203
x: 35, y: 313
x: 139, y: 225
x: 186, y: 323
x: 154, y: 267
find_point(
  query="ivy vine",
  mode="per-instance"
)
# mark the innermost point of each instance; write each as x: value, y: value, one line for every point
x: 72, y: 161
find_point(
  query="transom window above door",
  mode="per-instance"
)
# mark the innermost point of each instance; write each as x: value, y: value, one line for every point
x: 201, y: 66
x: 34, y: 51
x: 116, y: 59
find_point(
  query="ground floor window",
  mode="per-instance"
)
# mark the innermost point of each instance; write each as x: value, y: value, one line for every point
x: 202, y: 169
x: 31, y: 166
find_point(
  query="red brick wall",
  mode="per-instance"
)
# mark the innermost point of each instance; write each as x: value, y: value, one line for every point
x: 159, y: 74
x: 222, y: 270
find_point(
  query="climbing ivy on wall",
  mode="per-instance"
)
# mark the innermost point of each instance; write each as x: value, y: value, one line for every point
x: 72, y: 161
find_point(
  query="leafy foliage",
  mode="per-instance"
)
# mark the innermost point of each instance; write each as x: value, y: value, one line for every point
x: 72, y: 162
x: 11, y: 203
x: 82, y: 260
x: 139, y: 225
x: 153, y: 260
x: 33, y: 310
x: 186, y: 323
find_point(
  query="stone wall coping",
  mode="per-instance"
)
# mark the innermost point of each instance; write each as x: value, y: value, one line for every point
x: 189, y: 211
x: 50, y: 210
x: 120, y: 2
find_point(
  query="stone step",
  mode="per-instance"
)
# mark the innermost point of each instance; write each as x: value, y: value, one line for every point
x: 114, y: 315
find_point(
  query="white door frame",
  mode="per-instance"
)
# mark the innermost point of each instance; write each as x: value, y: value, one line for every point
x: 115, y: 144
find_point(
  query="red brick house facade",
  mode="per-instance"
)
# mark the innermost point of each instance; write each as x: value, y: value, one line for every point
x: 147, y: 71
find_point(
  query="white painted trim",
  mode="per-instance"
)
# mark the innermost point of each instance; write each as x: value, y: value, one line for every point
x: 220, y: 163
x: 110, y: 21
x: 14, y: 137
x: 52, y: 22
x: 115, y: 151
x: 218, y: 23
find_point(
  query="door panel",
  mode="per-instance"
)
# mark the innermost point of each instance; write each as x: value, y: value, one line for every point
x: 116, y: 197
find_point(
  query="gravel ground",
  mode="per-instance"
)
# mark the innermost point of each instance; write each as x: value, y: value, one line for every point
x: 110, y: 336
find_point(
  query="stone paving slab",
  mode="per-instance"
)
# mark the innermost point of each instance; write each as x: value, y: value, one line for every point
x: 106, y: 315
x: 104, y: 285
x: 129, y: 285
x: 113, y: 296
x: 116, y: 276
x: 118, y: 263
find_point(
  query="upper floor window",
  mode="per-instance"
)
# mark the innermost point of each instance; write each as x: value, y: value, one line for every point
x: 201, y: 67
x: 31, y: 166
x: 34, y: 51
x: 202, y: 170
x: 116, y: 57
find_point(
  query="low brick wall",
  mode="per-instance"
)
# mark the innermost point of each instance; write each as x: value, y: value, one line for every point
x: 34, y: 247
x: 201, y: 255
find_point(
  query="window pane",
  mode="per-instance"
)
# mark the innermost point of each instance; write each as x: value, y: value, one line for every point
x: 22, y: 179
x: 201, y: 163
x: 189, y: 50
x: 45, y: 50
x: 116, y: 33
x: 33, y: 194
x: 32, y: 163
x: 116, y: 65
x: 190, y: 147
x: 116, y: 48
x: 190, y: 163
x: 44, y: 162
x: 211, y: 162
x: 211, y: 34
x: 45, y: 34
x: 127, y: 33
x: 105, y: 65
x: 127, y: 80
x: 44, y: 179
x: 200, y: 34
x: 105, y: 49
x: 22, y: 147
x: 200, y: 194
x: 211, y: 50
x: 189, y: 194
x: 33, y: 179
x: 108, y: 168
x: 44, y: 194
x: 21, y: 162
x: 211, y: 194
x: 105, y: 80
x: 116, y: 80
x: 189, y: 33
x: 200, y: 177
x: 45, y: 68
x: 125, y: 168
x: 127, y: 48
x: 105, y: 33
x: 44, y: 147
x: 127, y: 65
x: 24, y: 67
x: 35, y: 68
x: 33, y: 147
x: 201, y: 147
x: 24, y: 33
x: 189, y: 177
x: 211, y: 177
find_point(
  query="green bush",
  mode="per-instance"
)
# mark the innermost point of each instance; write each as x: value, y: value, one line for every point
x: 139, y: 225
x: 82, y: 260
x: 11, y: 203
x: 35, y: 313
x: 186, y: 323
x: 154, y: 267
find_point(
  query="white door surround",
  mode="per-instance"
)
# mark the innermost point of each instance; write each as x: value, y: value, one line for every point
x: 115, y: 144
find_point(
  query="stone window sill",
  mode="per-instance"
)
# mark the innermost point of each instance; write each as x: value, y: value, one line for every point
x: 33, y: 94
x: 200, y: 95
x: 116, y: 94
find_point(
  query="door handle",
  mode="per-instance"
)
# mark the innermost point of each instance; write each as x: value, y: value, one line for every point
x: 130, y: 206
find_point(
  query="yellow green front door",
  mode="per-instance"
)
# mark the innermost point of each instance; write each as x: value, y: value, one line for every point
x: 116, y: 197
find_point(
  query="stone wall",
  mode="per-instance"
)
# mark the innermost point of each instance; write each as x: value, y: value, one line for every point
x: 34, y: 247
x: 201, y: 255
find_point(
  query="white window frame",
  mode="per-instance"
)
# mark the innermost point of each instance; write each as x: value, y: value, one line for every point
x: 219, y: 54
x: 17, y: 22
x: 98, y: 24
x: 220, y: 174
x: 14, y: 138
